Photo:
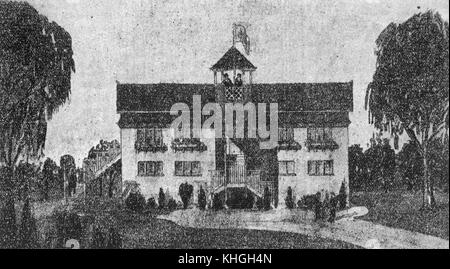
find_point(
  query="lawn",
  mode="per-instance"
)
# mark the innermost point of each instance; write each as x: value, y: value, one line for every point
x: 401, y: 209
x: 145, y: 231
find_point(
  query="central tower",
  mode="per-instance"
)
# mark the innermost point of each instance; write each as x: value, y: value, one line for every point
x: 233, y: 65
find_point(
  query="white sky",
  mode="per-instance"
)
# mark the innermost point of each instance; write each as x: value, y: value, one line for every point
x: 144, y: 41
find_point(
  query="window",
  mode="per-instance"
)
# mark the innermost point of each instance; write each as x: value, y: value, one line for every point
x: 150, y: 169
x: 286, y: 134
x: 286, y: 167
x: 320, y: 134
x: 188, y: 168
x: 320, y: 168
x: 152, y: 136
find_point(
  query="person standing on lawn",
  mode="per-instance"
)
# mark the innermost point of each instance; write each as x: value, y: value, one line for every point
x: 333, y: 208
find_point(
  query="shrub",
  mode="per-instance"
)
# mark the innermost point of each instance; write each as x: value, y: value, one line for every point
x: 308, y: 201
x: 185, y: 191
x: 172, y: 204
x: 202, y: 198
x: 151, y: 203
x: 217, y: 202
x: 135, y: 202
x: 342, y: 197
x: 68, y: 226
x: 289, y: 199
x: 161, y: 198
x: 114, y: 239
x: 266, y: 199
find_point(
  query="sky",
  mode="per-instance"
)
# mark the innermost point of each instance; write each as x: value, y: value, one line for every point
x: 144, y: 41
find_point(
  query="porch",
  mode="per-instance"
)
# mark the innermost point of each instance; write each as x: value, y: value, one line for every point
x: 239, y: 177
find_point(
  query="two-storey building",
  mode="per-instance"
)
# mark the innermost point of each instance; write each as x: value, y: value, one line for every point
x: 312, y: 150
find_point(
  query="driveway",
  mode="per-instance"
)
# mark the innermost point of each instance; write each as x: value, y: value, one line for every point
x: 358, y: 232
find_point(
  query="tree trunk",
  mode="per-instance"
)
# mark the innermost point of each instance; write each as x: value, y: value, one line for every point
x: 428, y: 193
x: 8, y: 229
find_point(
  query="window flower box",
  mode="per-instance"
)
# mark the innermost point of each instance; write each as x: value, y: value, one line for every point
x: 289, y: 145
x: 147, y: 147
x: 321, y: 145
x: 188, y: 145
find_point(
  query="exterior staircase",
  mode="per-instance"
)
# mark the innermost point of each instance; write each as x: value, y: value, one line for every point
x: 238, y: 177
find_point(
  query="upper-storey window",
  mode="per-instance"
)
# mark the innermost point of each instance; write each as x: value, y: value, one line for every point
x: 320, y: 134
x: 150, y: 139
x: 320, y: 138
x: 151, y: 136
x: 286, y: 134
x: 286, y: 139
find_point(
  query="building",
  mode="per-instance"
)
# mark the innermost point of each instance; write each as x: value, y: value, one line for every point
x: 312, y: 151
x: 102, y: 170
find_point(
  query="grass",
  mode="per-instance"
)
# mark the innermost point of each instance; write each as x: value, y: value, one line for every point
x: 145, y: 231
x: 401, y: 209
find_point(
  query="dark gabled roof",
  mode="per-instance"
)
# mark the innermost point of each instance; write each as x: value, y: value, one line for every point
x: 160, y: 97
x: 302, y: 97
x: 306, y: 96
x: 232, y: 59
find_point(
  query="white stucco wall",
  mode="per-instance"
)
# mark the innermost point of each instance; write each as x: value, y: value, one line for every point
x: 303, y: 184
x: 149, y: 186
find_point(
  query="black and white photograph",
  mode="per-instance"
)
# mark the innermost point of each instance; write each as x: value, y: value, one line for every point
x: 224, y: 125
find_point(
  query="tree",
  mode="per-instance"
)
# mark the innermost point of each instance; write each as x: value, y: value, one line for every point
x: 409, y: 91
x: 410, y: 165
x: 28, y: 230
x: 356, y: 167
x: 185, y: 191
x: 35, y: 69
x: 266, y: 198
x: 201, y: 198
x: 49, y: 177
x: 67, y: 173
x: 161, y: 199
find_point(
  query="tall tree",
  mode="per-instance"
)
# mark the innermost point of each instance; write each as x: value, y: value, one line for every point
x: 36, y: 65
x: 410, y: 88
x: 68, y: 173
x: 49, y: 177
x: 356, y: 167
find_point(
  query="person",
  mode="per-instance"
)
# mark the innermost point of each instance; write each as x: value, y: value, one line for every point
x: 333, y: 208
x: 227, y: 81
x: 238, y: 80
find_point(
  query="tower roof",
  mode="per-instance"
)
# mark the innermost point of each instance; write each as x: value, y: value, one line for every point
x: 231, y: 60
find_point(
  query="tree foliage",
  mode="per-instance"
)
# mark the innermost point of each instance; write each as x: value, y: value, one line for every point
x: 410, y: 88
x: 185, y: 191
x: 68, y: 172
x: 201, y: 198
x: 35, y: 69
x: 50, y: 179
